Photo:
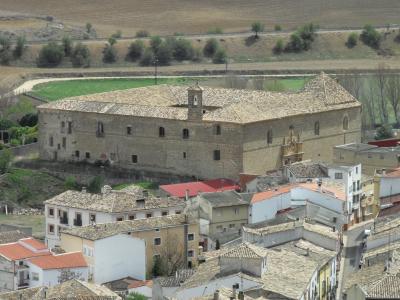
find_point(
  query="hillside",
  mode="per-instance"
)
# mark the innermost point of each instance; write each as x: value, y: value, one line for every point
x: 192, y: 16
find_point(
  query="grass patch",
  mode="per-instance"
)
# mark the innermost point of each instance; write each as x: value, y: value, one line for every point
x: 147, y: 185
x: 37, y: 222
x: 285, y: 84
x: 56, y: 90
x: 29, y: 188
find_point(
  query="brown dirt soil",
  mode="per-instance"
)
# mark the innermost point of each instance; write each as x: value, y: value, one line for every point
x: 193, y: 16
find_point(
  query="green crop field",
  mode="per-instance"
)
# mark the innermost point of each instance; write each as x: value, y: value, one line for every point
x: 56, y: 90
x: 37, y: 222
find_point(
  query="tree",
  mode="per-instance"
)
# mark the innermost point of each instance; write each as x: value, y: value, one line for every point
x: 70, y: 183
x: 50, y: 55
x: 5, y: 160
x: 183, y: 50
x: 279, y: 47
x: 96, y: 184
x: 135, y: 50
x: 164, y: 54
x: 135, y: 296
x: 210, y: 48
x: 117, y: 35
x: 142, y: 33
x: 257, y: 27
x: 220, y: 56
x: 352, y: 40
x: 155, y: 43
x: 381, y: 83
x: 393, y: 95
x: 109, y: 51
x: 5, y: 50
x: 20, y: 47
x: 384, y: 132
x: 89, y: 28
x: 295, y: 43
x: 147, y: 57
x: 157, y: 269
x: 172, y: 257
x: 30, y: 120
x: 80, y: 56
x: 67, y: 45
x: 371, y: 37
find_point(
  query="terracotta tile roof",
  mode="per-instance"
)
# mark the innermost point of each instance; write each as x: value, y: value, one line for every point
x: 61, y: 261
x: 33, y: 243
x: 140, y: 283
x: 222, y: 105
x: 331, y: 188
x: 279, y: 190
x: 19, y: 250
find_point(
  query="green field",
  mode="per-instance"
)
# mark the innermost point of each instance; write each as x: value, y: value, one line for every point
x: 56, y: 90
x: 37, y: 222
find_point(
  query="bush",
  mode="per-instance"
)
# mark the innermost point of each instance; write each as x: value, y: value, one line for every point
x: 257, y: 27
x: 135, y: 296
x: 147, y: 57
x: 29, y: 120
x: 67, y: 45
x: 183, y: 50
x: 307, y: 32
x: 5, y: 161
x: 51, y: 55
x: 278, y: 27
x: 164, y: 54
x: 210, y: 48
x: 142, y: 33
x: 95, y: 184
x: 371, y: 37
x: 80, y: 56
x: 215, y: 30
x: 279, y: 47
x: 89, y: 27
x: 117, y: 35
x: 157, y: 269
x: 155, y: 43
x: 70, y: 183
x: 352, y: 40
x: 219, y: 57
x: 6, y: 124
x: 109, y: 54
x: 20, y: 47
x: 5, y: 50
x: 384, y: 132
x: 135, y: 51
x: 295, y: 43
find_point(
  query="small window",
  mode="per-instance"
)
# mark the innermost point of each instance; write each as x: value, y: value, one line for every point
x: 77, y: 153
x: 231, y: 226
x: 236, y: 211
x: 190, y: 237
x: 62, y: 127
x: 161, y: 131
x: 185, y: 133
x: 129, y: 130
x: 51, y: 228
x: 178, y: 212
x: 119, y: 219
x: 149, y: 215
x: 190, y: 253
x: 134, y: 159
x: 190, y: 265
x: 164, y: 213
x: 131, y: 217
x: 157, y: 241
x: 338, y: 175
x: 316, y: 128
x: 184, y: 155
x: 217, y: 155
x: 51, y: 212
x: 51, y: 141
x: 64, y: 142
x: 87, y: 155
x: 269, y: 136
x: 217, y: 129
x: 291, y: 127
x: 345, y: 123
x: 100, y: 129
x: 69, y: 127
x: 369, y: 155
x: 92, y: 218
x: 381, y: 156
x: 35, y: 276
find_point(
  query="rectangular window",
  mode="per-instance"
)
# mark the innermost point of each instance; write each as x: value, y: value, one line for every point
x: 51, y: 212
x: 35, y: 276
x: 217, y: 155
x: 131, y: 217
x: 51, y: 141
x: 112, y: 156
x: 178, y: 212
x: 77, y: 153
x: 87, y: 155
x: 62, y: 127
x: 149, y: 215
x: 231, y: 225
x: 338, y: 175
x: 190, y: 237
x: 164, y: 213
x: 78, y: 219
x: 184, y: 155
x: 129, y: 130
x: 190, y: 253
x: 51, y: 228
x: 157, y: 241
x: 64, y: 142
x: 92, y: 218
x: 69, y: 127
x: 236, y: 211
x: 134, y: 159
x: 119, y: 219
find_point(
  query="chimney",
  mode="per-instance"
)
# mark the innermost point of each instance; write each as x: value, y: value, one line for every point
x: 241, y: 295
x: 84, y: 189
x: 216, y: 295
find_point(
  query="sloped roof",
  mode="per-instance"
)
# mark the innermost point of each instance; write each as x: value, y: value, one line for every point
x: 245, y: 250
x: 308, y: 169
x: 279, y: 190
x: 11, y: 236
x: 24, y: 248
x: 61, y: 261
x: 387, y: 287
x: 228, y: 105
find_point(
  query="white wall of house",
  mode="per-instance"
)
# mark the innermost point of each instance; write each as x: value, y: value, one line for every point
x: 389, y: 186
x: 119, y: 256
x: 40, y: 277
x: 268, y: 208
x: 321, y: 199
x: 6, y: 275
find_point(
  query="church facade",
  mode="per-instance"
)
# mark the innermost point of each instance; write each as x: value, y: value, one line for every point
x: 201, y: 132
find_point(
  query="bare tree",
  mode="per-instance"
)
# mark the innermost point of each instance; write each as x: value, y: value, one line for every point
x: 172, y: 256
x: 67, y: 274
x: 381, y: 79
x: 370, y: 106
x: 393, y: 95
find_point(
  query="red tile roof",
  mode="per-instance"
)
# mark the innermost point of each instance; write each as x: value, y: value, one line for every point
x: 194, y: 188
x: 335, y: 192
x: 279, y: 190
x: 139, y: 283
x: 17, y: 251
x: 61, y: 261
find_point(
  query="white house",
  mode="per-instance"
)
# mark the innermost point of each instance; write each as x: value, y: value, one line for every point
x: 75, y: 209
x: 51, y: 270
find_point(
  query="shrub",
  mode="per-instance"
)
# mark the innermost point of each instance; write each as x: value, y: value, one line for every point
x: 5, y: 50
x: 157, y: 269
x: 117, y: 35
x: 109, y: 52
x: 80, y: 56
x: 50, y: 55
x: 164, y: 54
x: 6, y: 124
x: 279, y: 47
x: 67, y: 45
x: 295, y: 43
x: 183, y: 50
x: 5, y: 160
x: 89, y: 27
x: 147, y: 57
x: 352, y: 40
x: 20, y: 47
x: 70, y: 183
x: 29, y: 120
x: 215, y: 30
x: 210, y: 48
x: 142, y: 33
x: 15, y: 142
x: 371, y: 37
x: 96, y: 184
x: 135, y: 296
x: 278, y: 27
x: 219, y: 56
x: 384, y: 132
x: 307, y: 32
x: 257, y: 27
x: 155, y: 43
x: 112, y: 40
x: 135, y: 50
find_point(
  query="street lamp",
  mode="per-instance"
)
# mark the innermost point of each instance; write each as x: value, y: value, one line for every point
x: 155, y: 70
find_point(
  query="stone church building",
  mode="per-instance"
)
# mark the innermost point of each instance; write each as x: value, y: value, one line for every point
x: 201, y: 132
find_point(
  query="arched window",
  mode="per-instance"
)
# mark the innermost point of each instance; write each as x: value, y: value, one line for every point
x: 316, y: 128
x: 269, y: 136
x: 161, y: 131
x: 195, y: 102
x: 345, y: 123
x: 185, y: 133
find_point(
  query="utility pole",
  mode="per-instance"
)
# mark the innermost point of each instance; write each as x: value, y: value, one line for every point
x: 155, y: 70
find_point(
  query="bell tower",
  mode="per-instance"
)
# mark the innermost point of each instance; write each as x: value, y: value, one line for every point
x: 195, y: 102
